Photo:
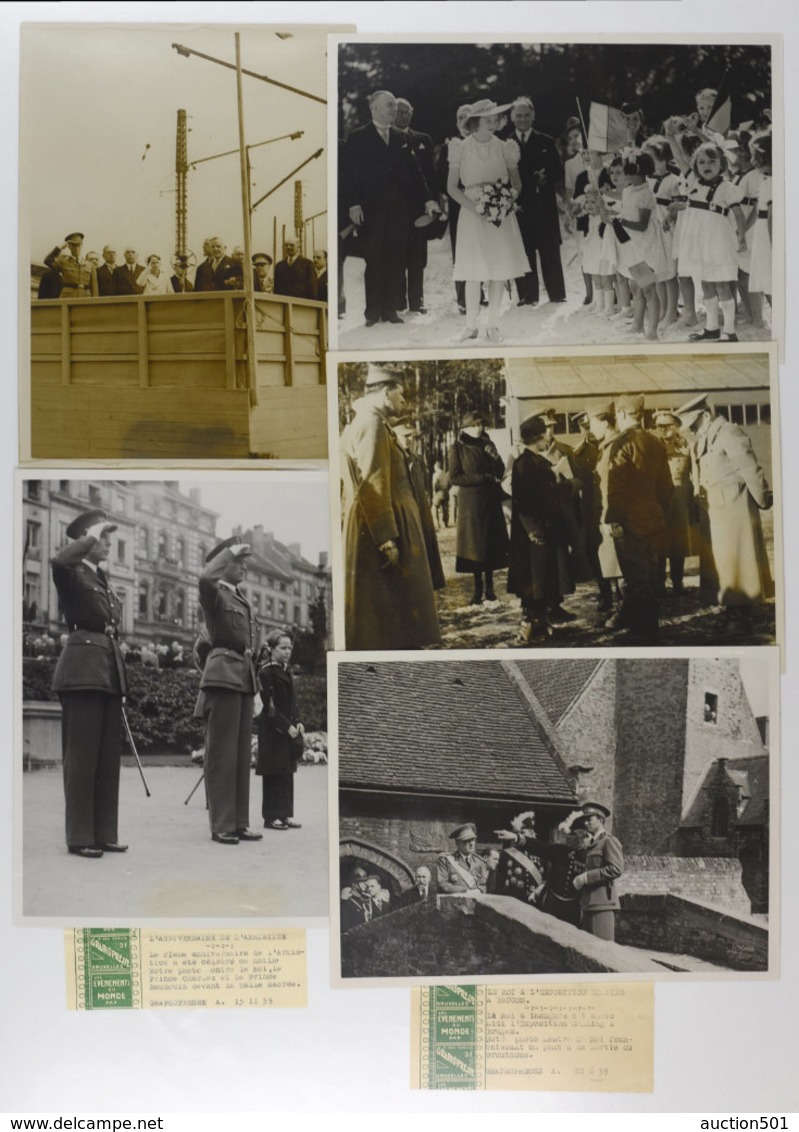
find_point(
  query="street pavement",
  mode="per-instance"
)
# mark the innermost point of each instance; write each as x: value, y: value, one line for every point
x: 173, y: 868
x: 683, y: 619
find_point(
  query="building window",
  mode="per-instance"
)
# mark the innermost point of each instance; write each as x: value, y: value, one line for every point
x: 270, y: 607
x: 720, y: 818
x: 162, y: 544
x: 281, y: 610
x: 711, y: 709
x: 144, y: 542
x: 34, y: 489
x: 180, y: 551
x: 202, y: 550
x: 180, y: 608
x: 144, y: 603
x: 63, y: 487
x: 256, y: 603
x: 122, y: 550
x: 62, y: 533
x: 297, y: 615
x: 33, y: 535
x: 95, y: 495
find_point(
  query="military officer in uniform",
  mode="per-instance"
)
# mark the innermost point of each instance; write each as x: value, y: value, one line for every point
x: 228, y: 685
x: 464, y: 870
x: 90, y: 682
x: 80, y: 278
x: 604, y: 862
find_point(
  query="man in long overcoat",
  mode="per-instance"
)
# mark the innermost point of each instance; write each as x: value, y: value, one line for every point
x: 537, y: 530
x: 733, y: 490
x: 228, y: 685
x: 604, y: 863
x: 91, y: 683
x: 389, y: 601
x: 638, y: 492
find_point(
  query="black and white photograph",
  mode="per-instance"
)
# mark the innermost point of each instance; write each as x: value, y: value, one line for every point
x: 172, y: 717
x: 173, y: 242
x: 507, y: 818
x: 576, y: 499
x: 551, y: 192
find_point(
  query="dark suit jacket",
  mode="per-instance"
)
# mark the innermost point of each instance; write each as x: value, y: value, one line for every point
x: 232, y: 629
x: 105, y: 280
x: 204, y: 277
x: 181, y: 287
x: 296, y: 279
x: 50, y: 284
x: 412, y: 896
x: 229, y: 275
x: 538, y: 200
x: 125, y: 281
x: 321, y: 287
x: 278, y: 753
x: 91, y: 660
x: 604, y: 862
x: 375, y: 172
x: 422, y: 146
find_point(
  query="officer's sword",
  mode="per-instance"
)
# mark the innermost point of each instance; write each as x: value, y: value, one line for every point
x: 132, y: 745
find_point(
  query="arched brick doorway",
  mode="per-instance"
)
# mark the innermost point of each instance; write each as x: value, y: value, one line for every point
x: 394, y: 873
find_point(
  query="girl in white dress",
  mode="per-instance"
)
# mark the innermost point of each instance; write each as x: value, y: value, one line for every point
x: 643, y: 254
x: 663, y: 184
x: 745, y: 174
x: 484, y: 252
x: 711, y: 239
x: 760, y: 266
x: 610, y: 210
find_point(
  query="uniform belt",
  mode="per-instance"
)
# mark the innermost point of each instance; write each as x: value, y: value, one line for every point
x: 665, y: 200
x: 748, y: 200
x: 227, y: 648
x: 109, y: 629
x: 707, y: 206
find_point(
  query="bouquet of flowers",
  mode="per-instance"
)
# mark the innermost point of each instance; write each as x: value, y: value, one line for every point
x: 496, y: 201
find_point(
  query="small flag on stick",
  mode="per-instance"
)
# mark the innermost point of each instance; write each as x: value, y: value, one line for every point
x: 721, y: 115
x: 607, y: 128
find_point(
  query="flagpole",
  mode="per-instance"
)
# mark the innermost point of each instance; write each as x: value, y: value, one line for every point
x: 249, y: 302
x: 592, y: 177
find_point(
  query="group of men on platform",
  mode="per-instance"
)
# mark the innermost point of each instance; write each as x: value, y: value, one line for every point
x: 589, y: 880
x: 71, y: 275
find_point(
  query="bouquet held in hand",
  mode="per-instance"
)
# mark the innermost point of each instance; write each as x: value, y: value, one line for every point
x: 496, y: 201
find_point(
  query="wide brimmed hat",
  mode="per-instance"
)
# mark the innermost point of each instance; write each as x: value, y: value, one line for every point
x: 691, y: 410
x: 234, y: 540
x: 485, y: 107
x: 464, y: 832
x: 79, y: 526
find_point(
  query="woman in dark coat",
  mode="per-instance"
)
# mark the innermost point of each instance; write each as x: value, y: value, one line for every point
x: 538, y: 569
x: 280, y: 742
x: 476, y: 469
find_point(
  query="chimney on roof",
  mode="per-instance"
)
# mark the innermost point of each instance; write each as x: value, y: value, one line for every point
x: 323, y: 557
x: 257, y: 538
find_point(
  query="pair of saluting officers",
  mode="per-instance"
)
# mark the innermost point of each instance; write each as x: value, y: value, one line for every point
x: 91, y: 684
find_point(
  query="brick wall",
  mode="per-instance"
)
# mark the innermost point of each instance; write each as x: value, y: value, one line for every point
x: 587, y: 739
x: 735, y: 733
x: 648, y: 789
x: 717, y: 881
x: 677, y: 925
x: 496, y: 935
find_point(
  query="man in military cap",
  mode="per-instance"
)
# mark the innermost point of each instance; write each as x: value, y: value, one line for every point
x: 80, y: 278
x: 637, y: 496
x: 389, y: 600
x: 262, y: 280
x: 228, y: 685
x: 91, y: 683
x: 733, y: 490
x: 604, y: 863
x: 464, y: 870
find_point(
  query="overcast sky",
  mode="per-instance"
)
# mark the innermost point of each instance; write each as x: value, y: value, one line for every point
x: 294, y: 506
x: 98, y: 126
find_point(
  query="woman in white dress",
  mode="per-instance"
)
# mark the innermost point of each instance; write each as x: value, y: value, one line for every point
x: 485, y: 251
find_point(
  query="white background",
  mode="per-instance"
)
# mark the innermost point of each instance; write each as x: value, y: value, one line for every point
x: 719, y: 1046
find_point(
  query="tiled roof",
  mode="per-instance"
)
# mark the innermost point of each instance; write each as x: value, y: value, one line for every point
x: 448, y: 727
x: 556, y: 684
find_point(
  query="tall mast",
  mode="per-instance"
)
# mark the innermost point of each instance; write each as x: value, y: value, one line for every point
x: 181, y: 171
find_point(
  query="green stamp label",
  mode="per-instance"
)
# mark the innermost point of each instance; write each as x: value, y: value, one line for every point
x: 454, y: 1038
x: 107, y: 968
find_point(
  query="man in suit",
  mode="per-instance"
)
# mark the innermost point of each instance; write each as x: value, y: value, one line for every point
x: 603, y: 864
x: 384, y: 190
x: 419, y: 892
x: 91, y: 684
x: 320, y: 266
x: 422, y: 146
x: 126, y: 276
x: 181, y: 284
x: 539, y: 169
x: 638, y: 492
x: 228, y: 685
x: 295, y: 275
x: 233, y: 278
x: 463, y: 871
x: 223, y: 267
x: 105, y: 272
x: 204, y: 275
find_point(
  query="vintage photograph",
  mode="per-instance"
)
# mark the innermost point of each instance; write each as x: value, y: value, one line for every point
x: 178, y: 273
x: 172, y: 715
x: 574, y: 499
x: 558, y: 815
x: 537, y: 193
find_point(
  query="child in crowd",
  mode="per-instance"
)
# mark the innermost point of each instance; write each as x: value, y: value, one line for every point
x: 643, y: 254
x: 610, y: 210
x: 747, y: 176
x: 760, y: 266
x: 664, y: 184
